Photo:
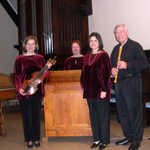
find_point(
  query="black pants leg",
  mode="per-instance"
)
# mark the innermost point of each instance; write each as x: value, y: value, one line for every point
x: 36, y: 112
x: 30, y: 109
x: 129, y: 106
x: 99, y: 117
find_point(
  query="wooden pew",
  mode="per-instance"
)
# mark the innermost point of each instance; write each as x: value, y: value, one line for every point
x: 66, y: 112
x: 7, y: 91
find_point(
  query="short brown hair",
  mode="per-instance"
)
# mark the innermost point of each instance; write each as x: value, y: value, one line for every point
x: 30, y: 37
x: 76, y: 41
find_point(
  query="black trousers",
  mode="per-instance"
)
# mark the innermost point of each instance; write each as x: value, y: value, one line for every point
x: 99, y: 117
x: 30, y: 109
x: 129, y: 106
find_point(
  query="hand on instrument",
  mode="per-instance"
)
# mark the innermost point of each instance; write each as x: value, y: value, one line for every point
x: 122, y: 65
x: 114, y: 72
x: 103, y: 95
x: 49, y: 65
x: 21, y: 91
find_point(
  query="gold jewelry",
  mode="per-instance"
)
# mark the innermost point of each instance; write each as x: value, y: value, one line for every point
x: 92, y: 60
x: 75, y: 61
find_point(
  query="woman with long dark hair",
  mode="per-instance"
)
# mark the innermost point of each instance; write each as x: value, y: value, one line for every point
x: 95, y: 81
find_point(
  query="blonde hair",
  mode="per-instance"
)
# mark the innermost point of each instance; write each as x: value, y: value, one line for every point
x: 30, y: 37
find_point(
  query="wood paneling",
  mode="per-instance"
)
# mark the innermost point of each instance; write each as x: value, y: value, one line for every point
x: 56, y: 23
x: 28, y: 18
x: 68, y: 25
x: 66, y: 112
x: 39, y: 18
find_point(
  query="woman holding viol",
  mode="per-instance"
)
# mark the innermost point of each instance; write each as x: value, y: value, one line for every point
x: 30, y: 101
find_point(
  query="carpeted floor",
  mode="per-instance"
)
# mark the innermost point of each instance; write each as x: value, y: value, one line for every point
x: 14, y: 138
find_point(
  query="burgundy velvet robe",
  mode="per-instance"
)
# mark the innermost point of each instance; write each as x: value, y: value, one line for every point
x: 23, y: 68
x: 95, y: 76
x: 72, y: 63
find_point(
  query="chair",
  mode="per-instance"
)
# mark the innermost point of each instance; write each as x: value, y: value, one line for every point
x: 146, y: 109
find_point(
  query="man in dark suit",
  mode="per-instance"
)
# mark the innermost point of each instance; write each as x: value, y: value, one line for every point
x: 128, y: 61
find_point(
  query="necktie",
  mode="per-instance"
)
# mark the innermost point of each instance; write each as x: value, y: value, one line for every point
x: 118, y: 59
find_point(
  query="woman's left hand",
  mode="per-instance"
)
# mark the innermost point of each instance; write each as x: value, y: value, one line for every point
x: 49, y: 65
x: 103, y: 95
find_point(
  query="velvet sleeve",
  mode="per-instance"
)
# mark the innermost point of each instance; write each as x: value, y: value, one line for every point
x: 140, y: 62
x: 18, y: 74
x: 83, y: 72
x: 82, y: 77
x: 103, y: 72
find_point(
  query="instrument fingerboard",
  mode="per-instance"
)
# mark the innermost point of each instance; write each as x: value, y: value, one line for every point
x: 52, y: 61
x: 41, y: 72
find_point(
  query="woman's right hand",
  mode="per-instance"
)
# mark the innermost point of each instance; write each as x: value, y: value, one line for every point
x: 21, y: 91
x: 114, y: 72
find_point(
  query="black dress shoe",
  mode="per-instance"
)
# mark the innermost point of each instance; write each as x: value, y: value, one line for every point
x: 37, y: 143
x: 94, y: 145
x: 102, y: 146
x: 124, y: 141
x: 29, y: 144
x: 134, y: 146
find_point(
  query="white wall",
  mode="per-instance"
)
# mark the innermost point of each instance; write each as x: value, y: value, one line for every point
x: 8, y: 38
x: 134, y: 13
x: 106, y: 14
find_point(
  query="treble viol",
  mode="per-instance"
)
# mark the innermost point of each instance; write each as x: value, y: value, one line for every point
x: 31, y: 86
x: 119, y: 57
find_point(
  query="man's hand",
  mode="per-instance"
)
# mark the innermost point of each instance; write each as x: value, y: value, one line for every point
x: 122, y: 65
x: 114, y: 72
